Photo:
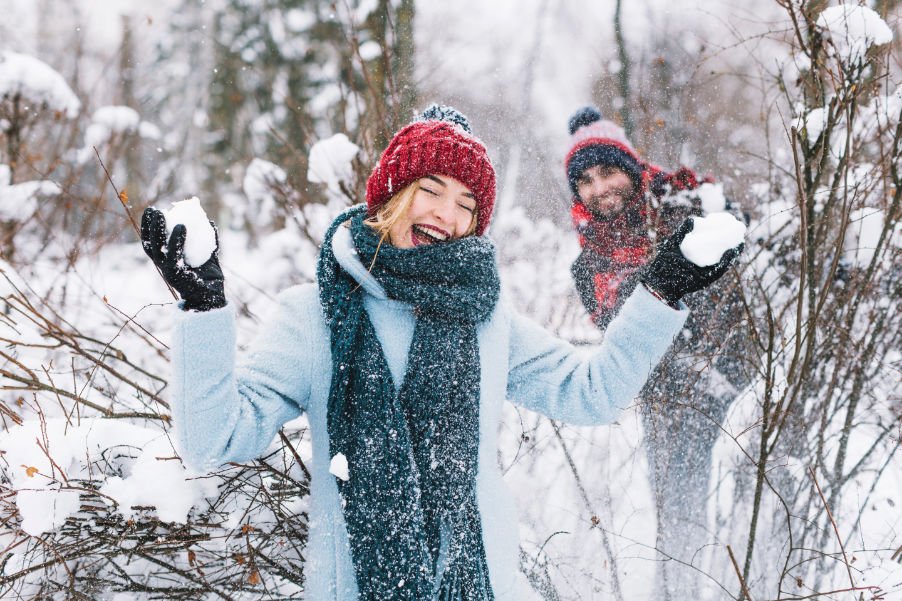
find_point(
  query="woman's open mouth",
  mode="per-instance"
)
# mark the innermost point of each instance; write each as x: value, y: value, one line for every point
x: 427, y: 234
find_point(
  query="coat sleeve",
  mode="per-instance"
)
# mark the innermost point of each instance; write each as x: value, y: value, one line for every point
x: 227, y: 412
x: 587, y: 386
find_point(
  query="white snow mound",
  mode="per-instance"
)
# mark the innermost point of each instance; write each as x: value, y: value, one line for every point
x: 200, y: 241
x: 36, y: 82
x: 330, y: 161
x: 19, y: 201
x: 853, y: 30
x: 110, y: 120
x: 710, y: 237
x: 338, y: 467
x: 151, y: 476
x: 813, y: 123
x: 46, y: 509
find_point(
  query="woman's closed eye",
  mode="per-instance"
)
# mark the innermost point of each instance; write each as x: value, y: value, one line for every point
x: 467, y: 207
x: 428, y: 191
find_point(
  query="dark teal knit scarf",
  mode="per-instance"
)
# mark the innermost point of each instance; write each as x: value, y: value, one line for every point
x: 410, y: 501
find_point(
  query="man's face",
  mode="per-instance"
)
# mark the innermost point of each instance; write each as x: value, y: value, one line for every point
x: 604, y: 190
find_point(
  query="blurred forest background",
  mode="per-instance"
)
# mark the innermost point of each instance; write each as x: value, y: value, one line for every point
x: 760, y: 463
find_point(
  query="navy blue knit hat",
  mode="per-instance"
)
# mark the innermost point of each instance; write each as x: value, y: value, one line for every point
x: 596, y: 141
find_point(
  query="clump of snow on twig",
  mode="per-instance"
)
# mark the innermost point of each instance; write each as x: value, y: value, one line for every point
x: 152, y: 476
x: 36, y: 82
x: 108, y: 121
x: 331, y: 161
x: 370, y: 50
x: 853, y: 30
x: 19, y: 201
x: 812, y: 122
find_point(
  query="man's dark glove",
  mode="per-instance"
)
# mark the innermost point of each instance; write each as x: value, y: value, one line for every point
x: 202, y: 288
x: 673, y: 276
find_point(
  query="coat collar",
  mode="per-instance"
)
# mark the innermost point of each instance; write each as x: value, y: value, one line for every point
x: 346, y: 255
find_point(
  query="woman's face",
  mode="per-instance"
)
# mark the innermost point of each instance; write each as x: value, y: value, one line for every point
x: 442, y: 209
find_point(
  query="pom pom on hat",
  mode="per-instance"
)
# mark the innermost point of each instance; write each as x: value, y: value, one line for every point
x: 438, y: 142
x: 439, y: 112
x: 583, y: 116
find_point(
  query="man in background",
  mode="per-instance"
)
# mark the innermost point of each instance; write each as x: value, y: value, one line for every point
x: 620, y: 204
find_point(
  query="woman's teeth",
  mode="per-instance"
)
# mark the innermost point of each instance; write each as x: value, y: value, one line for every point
x: 424, y: 235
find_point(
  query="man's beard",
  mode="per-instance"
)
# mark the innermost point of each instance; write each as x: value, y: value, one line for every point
x: 608, y: 215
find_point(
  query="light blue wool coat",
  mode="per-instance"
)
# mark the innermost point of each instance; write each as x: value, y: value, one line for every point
x: 225, y: 412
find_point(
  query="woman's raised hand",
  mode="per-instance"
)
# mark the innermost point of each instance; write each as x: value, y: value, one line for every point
x: 202, y: 288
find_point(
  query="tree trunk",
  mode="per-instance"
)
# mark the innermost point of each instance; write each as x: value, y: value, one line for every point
x: 131, y: 151
x: 623, y: 77
x: 403, y: 60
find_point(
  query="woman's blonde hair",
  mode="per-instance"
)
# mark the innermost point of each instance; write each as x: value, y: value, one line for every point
x: 396, y: 207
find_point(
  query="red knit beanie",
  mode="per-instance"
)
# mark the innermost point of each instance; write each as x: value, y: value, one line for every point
x: 438, y: 144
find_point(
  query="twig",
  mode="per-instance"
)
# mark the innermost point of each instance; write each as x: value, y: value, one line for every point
x: 294, y: 453
x: 615, y: 580
x: 819, y: 594
x: 745, y: 589
x: 835, y: 528
x: 131, y: 320
x: 36, y: 385
x: 124, y: 203
x: 119, y: 195
x: 542, y: 547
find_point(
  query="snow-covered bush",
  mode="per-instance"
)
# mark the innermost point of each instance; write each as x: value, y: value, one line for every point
x: 805, y: 461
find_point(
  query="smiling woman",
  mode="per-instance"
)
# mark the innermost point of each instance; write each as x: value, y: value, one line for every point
x: 430, y: 210
x: 401, y: 355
